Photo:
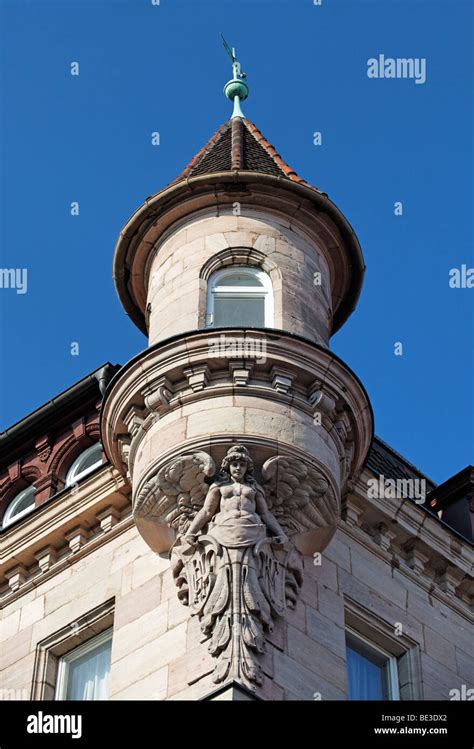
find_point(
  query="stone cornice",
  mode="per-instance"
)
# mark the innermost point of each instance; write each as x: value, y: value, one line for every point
x: 415, y: 523
x: 35, y: 577
x: 316, y: 381
x: 72, y: 524
x: 424, y: 582
x: 415, y: 544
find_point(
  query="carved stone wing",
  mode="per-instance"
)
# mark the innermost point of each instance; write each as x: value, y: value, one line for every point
x: 177, y: 491
x: 298, y: 495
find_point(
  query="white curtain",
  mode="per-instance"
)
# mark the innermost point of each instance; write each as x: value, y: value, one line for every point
x: 88, y: 676
x: 365, y: 678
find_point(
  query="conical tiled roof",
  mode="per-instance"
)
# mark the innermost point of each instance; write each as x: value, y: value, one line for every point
x: 237, y: 159
x: 239, y: 145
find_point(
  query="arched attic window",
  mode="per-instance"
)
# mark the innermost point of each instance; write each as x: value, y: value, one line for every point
x: 84, y: 464
x: 21, y: 504
x: 241, y: 297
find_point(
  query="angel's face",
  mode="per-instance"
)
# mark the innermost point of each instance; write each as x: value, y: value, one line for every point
x: 238, y: 469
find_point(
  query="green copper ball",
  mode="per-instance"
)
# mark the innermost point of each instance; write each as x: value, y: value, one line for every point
x: 236, y: 88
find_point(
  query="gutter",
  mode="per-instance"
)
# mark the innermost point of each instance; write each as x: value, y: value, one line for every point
x: 60, y: 405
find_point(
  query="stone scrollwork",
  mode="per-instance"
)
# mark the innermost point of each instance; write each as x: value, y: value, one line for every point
x: 233, y: 561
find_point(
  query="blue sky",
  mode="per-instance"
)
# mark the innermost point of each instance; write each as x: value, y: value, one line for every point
x: 146, y: 68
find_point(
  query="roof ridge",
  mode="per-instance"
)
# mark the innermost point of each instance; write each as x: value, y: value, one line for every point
x: 288, y: 171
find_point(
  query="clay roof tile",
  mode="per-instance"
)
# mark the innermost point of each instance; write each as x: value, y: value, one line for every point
x: 257, y: 155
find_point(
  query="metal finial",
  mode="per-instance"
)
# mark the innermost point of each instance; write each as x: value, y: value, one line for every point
x: 235, y: 90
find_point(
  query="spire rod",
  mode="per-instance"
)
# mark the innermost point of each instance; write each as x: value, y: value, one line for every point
x: 236, y: 89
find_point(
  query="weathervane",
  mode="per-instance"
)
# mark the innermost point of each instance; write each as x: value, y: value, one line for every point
x: 235, y: 90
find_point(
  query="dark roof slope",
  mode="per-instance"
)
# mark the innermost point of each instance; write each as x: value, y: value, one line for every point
x: 64, y: 407
x: 384, y: 460
x: 257, y: 154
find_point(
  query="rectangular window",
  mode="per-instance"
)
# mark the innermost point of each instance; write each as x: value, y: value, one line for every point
x: 372, y: 672
x: 239, y: 310
x: 83, y: 673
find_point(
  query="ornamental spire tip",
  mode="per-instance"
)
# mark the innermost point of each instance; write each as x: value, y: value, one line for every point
x: 236, y: 89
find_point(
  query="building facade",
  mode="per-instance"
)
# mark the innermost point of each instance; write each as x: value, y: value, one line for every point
x: 215, y: 519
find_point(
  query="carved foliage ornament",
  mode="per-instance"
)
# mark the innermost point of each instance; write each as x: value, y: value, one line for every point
x: 233, y: 560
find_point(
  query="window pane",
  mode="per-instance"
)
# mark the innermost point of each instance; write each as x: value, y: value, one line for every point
x: 239, y: 279
x: 91, y: 459
x: 86, y: 461
x: 24, y: 500
x: 366, y: 678
x: 88, y: 675
x: 239, y: 311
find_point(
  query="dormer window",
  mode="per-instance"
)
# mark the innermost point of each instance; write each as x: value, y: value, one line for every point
x: 22, y: 504
x: 240, y: 297
x: 84, y: 464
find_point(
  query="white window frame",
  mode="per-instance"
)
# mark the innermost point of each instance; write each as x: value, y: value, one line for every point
x: 246, y: 292
x: 10, y: 515
x: 73, y: 476
x: 392, y: 665
x: 68, y: 658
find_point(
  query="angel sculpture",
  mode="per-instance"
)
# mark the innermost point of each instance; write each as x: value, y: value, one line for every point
x: 232, y: 504
x: 232, y: 561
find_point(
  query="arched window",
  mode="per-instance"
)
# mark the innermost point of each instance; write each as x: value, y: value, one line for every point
x: 240, y: 297
x: 21, y: 505
x: 84, y: 464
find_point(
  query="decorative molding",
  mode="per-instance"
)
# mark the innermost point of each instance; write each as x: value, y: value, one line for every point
x: 77, y: 538
x: 318, y: 381
x: 449, y: 578
x: 36, y: 575
x: 404, y: 648
x: 383, y: 536
x: 421, y: 574
x: 321, y: 400
x: 240, y: 372
x: 108, y: 518
x: 46, y: 558
x: 16, y: 577
x: 417, y: 556
x: 242, y: 256
x: 44, y: 448
x: 352, y: 510
x: 50, y: 649
x: 197, y: 377
x: 342, y: 425
x: 282, y: 379
x: 134, y: 419
x: 14, y: 471
x: 157, y: 397
x: 46, y: 528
